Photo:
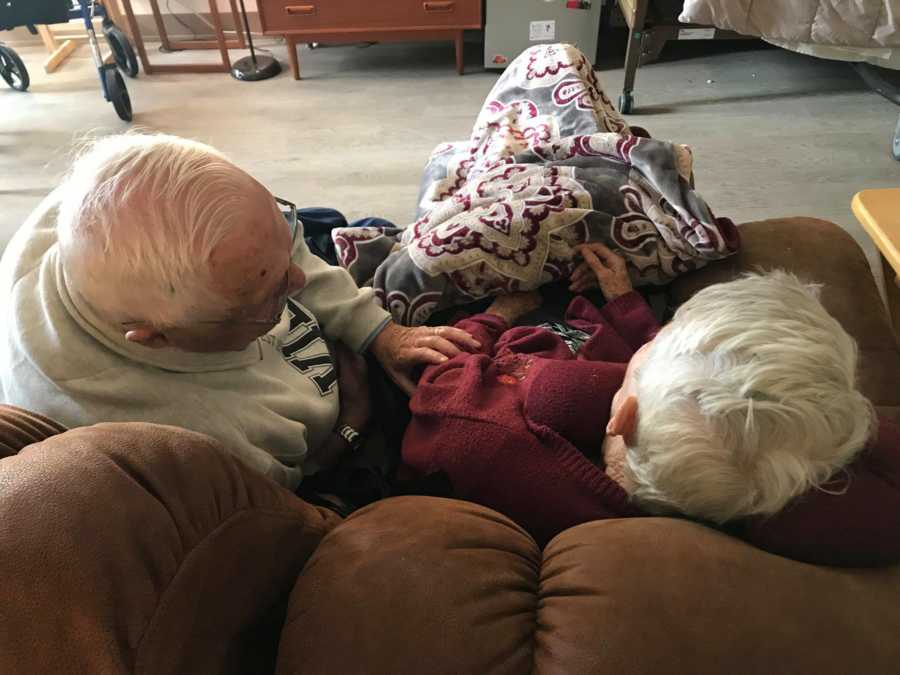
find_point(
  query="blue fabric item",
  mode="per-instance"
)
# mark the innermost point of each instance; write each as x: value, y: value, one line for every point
x: 15, y: 13
x: 318, y: 222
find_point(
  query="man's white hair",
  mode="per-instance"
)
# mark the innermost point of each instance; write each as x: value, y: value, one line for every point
x: 139, y: 217
x: 747, y: 399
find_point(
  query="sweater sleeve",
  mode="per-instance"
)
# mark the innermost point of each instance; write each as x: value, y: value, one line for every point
x: 486, y: 328
x: 617, y: 330
x: 345, y: 312
x: 632, y: 318
x: 546, y: 487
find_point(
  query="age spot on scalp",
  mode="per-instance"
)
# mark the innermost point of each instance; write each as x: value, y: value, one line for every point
x: 263, y: 273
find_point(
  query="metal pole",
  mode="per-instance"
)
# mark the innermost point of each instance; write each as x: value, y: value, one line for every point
x: 247, y: 28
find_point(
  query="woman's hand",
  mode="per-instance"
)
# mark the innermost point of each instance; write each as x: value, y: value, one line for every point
x: 401, y: 349
x: 603, y: 267
x: 513, y: 306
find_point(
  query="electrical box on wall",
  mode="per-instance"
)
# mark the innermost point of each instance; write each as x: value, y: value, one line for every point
x: 512, y: 26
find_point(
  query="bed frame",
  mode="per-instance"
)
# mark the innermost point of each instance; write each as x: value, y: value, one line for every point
x: 651, y: 24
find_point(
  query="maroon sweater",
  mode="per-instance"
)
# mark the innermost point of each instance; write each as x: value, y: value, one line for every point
x: 514, y: 424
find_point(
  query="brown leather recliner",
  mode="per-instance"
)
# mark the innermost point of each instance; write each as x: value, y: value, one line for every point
x: 148, y: 549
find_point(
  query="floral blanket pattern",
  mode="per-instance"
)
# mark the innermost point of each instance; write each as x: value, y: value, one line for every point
x: 550, y: 165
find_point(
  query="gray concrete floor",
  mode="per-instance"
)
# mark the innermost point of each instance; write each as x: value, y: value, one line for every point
x: 773, y: 133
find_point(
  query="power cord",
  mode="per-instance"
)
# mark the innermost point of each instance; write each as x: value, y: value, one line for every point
x: 194, y: 34
x: 179, y: 21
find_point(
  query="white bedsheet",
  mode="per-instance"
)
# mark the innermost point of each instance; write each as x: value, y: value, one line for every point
x: 848, y: 30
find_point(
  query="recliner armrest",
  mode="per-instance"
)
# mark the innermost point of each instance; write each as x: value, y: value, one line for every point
x: 20, y: 427
x: 144, y: 548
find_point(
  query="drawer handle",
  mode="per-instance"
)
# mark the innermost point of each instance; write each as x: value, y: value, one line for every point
x: 300, y: 10
x: 438, y: 6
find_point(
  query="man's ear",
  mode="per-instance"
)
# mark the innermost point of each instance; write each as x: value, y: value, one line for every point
x: 147, y: 336
x: 624, y: 422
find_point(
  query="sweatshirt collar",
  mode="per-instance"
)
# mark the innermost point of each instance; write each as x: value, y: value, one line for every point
x: 112, y: 337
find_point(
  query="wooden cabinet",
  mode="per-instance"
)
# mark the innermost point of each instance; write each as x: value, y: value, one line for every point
x: 364, y: 20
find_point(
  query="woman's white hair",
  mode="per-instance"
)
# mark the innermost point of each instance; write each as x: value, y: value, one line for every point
x: 139, y: 217
x: 747, y: 399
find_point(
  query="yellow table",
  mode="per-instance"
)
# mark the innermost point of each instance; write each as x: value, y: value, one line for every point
x: 879, y: 213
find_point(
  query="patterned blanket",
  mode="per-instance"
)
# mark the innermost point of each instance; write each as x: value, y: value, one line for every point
x: 550, y: 165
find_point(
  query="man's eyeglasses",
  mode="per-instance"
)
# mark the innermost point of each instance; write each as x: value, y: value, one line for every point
x: 291, y: 217
x: 290, y: 214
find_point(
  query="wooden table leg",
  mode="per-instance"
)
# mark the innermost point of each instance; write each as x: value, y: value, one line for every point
x: 292, y: 55
x: 47, y: 38
x: 160, y: 26
x: 460, y: 64
x: 134, y: 32
x: 220, y: 34
x: 57, y: 58
x: 59, y: 51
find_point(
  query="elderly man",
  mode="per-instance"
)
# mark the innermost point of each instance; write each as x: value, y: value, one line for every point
x: 161, y: 283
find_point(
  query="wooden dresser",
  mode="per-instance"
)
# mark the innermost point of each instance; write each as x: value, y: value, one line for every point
x: 327, y: 21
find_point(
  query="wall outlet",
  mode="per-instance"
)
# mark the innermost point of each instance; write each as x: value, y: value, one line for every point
x: 542, y: 30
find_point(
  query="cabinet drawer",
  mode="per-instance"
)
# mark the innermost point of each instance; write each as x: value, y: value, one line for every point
x: 324, y: 15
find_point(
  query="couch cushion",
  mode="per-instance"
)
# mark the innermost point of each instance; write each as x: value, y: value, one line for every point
x: 662, y: 596
x: 415, y: 585
x: 138, y: 548
x: 423, y: 585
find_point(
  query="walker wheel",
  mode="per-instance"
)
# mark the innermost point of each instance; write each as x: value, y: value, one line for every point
x: 118, y: 93
x: 13, y: 70
x: 121, y: 49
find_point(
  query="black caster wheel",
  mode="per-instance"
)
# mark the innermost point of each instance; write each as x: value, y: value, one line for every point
x: 895, y: 146
x: 118, y: 93
x: 13, y: 70
x: 626, y: 103
x: 121, y: 48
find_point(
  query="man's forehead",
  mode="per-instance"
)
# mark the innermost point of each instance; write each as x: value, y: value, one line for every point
x: 247, y: 262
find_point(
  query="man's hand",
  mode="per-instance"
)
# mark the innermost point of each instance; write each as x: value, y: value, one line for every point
x: 513, y: 306
x: 400, y: 349
x: 603, y: 267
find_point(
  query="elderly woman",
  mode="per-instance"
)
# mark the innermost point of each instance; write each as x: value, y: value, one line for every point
x: 744, y: 401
